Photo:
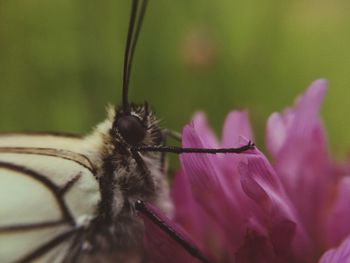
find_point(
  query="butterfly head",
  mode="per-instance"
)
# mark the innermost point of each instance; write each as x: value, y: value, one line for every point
x: 131, y: 128
x: 138, y: 126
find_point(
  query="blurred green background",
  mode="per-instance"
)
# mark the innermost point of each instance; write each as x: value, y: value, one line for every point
x: 61, y: 61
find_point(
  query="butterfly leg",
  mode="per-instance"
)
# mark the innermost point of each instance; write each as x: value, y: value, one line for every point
x: 181, y: 150
x: 167, y: 133
x: 146, y: 175
x: 162, y: 222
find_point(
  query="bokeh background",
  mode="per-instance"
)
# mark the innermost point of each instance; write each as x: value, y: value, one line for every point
x: 61, y: 61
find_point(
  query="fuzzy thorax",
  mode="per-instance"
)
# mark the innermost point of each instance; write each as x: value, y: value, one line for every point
x: 123, y: 179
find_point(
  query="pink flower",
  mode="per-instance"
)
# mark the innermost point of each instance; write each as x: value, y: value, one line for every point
x: 339, y: 254
x: 242, y: 208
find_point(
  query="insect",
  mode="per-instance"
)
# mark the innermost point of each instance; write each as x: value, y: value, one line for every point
x: 75, y: 199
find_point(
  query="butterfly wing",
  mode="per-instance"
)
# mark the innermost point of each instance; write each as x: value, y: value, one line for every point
x: 48, y: 191
x: 41, y: 140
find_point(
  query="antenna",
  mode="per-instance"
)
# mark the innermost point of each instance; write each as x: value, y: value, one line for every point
x: 136, y: 18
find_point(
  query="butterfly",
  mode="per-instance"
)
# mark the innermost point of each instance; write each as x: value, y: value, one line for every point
x: 72, y: 198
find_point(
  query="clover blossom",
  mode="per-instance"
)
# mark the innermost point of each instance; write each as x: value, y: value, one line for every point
x: 244, y: 208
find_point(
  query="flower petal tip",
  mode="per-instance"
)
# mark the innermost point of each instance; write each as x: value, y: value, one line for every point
x: 236, y: 124
x: 276, y: 133
x: 318, y: 88
x: 340, y: 254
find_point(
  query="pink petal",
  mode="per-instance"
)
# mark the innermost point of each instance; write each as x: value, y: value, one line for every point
x: 236, y: 133
x: 257, y: 247
x: 236, y: 125
x: 275, y: 211
x: 338, y: 226
x: 298, y: 122
x: 201, y: 166
x: 187, y: 212
x: 211, y: 193
x: 207, y: 136
x: 160, y: 246
x: 276, y: 133
x: 307, y: 109
x: 301, y: 156
x: 340, y: 254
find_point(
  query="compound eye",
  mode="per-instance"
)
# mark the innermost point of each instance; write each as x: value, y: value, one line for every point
x: 131, y: 128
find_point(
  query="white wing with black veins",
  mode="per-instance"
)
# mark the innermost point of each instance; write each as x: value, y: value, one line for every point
x: 48, y: 191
